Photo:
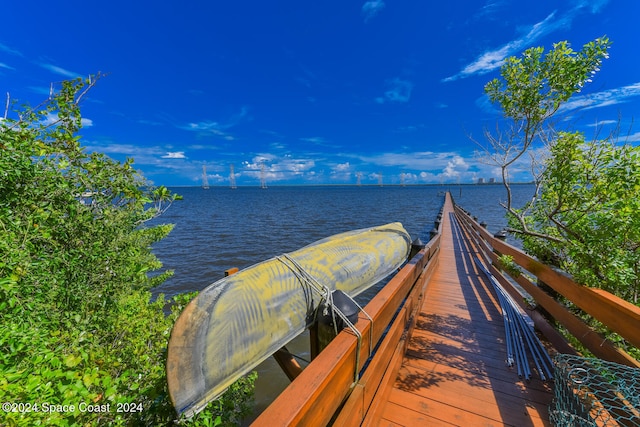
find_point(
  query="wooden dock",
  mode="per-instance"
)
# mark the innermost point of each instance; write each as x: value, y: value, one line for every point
x: 454, y: 371
x: 440, y: 337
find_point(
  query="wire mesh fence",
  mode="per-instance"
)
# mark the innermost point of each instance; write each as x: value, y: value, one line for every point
x: 594, y: 392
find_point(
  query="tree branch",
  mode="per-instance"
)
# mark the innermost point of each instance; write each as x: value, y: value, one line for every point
x: 6, y: 107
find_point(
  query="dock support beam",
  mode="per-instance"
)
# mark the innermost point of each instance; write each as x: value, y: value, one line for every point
x: 287, y: 363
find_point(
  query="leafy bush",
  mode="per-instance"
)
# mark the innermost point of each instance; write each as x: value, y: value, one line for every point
x: 584, y: 213
x: 590, y: 206
x: 81, y: 342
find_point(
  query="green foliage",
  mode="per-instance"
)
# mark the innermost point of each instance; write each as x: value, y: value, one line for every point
x: 79, y: 328
x: 532, y: 89
x: 507, y: 263
x: 535, y: 85
x: 231, y: 408
x: 584, y: 216
x: 590, y: 203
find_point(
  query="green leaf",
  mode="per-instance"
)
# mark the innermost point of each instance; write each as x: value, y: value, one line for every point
x: 71, y: 360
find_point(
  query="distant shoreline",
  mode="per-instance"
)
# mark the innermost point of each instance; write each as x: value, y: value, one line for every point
x: 484, y: 184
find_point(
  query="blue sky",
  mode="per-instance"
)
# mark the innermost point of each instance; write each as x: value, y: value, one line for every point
x: 312, y: 92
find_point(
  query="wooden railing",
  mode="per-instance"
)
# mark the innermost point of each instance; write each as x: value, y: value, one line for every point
x: 326, y: 390
x: 618, y: 315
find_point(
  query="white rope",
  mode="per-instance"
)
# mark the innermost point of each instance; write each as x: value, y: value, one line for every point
x: 305, y: 277
x: 326, y: 293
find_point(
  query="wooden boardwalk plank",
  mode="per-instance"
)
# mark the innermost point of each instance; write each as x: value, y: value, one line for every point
x: 454, y: 370
x: 408, y: 414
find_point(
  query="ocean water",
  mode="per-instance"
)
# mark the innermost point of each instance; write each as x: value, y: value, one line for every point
x: 221, y: 228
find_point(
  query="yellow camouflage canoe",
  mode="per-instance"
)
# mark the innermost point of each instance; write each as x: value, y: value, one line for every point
x: 239, y: 321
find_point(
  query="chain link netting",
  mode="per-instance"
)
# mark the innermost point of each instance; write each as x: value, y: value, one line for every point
x: 594, y: 392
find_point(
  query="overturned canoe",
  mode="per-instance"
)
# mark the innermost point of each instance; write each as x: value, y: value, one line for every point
x: 239, y: 321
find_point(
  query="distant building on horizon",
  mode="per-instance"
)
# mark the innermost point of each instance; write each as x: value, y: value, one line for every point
x: 491, y: 181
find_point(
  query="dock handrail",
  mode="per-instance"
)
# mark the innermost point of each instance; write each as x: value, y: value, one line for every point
x: 617, y: 314
x: 326, y: 385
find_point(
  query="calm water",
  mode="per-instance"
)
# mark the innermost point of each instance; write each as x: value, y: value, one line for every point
x: 220, y: 228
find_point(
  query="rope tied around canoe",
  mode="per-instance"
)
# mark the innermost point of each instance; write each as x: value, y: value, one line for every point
x: 309, y: 282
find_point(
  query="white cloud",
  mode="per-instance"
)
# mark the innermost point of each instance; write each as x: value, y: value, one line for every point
x: 342, y: 167
x: 602, y: 99
x: 594, y: 5
x: 6, y: 49
x: 295, y: 166
x: 124, y: 149
x: 420, y: 160
x: 339, y: 172
x: 485, y: 63
x: 436, y: 167
x: 157, y: 160
x: 375, y: 176
x: 371, y: 9
x: 202, y: 126
x: 494, y: 58
x: 276, y: 168
x: 60, y: 71
x: 5, y: 66
x: 632, y: 138
x: 428, y: 177
x: 257, y: 161
x: 399, y: 91
x: 600, y: 123
x: 277, y: 145
x: 279, y: 167
x: 490, y: 9
x: 455, y: 167
x: 174, y: 155
x: 52, y: 119
x: 210, y: 127
x: 315, y: 140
